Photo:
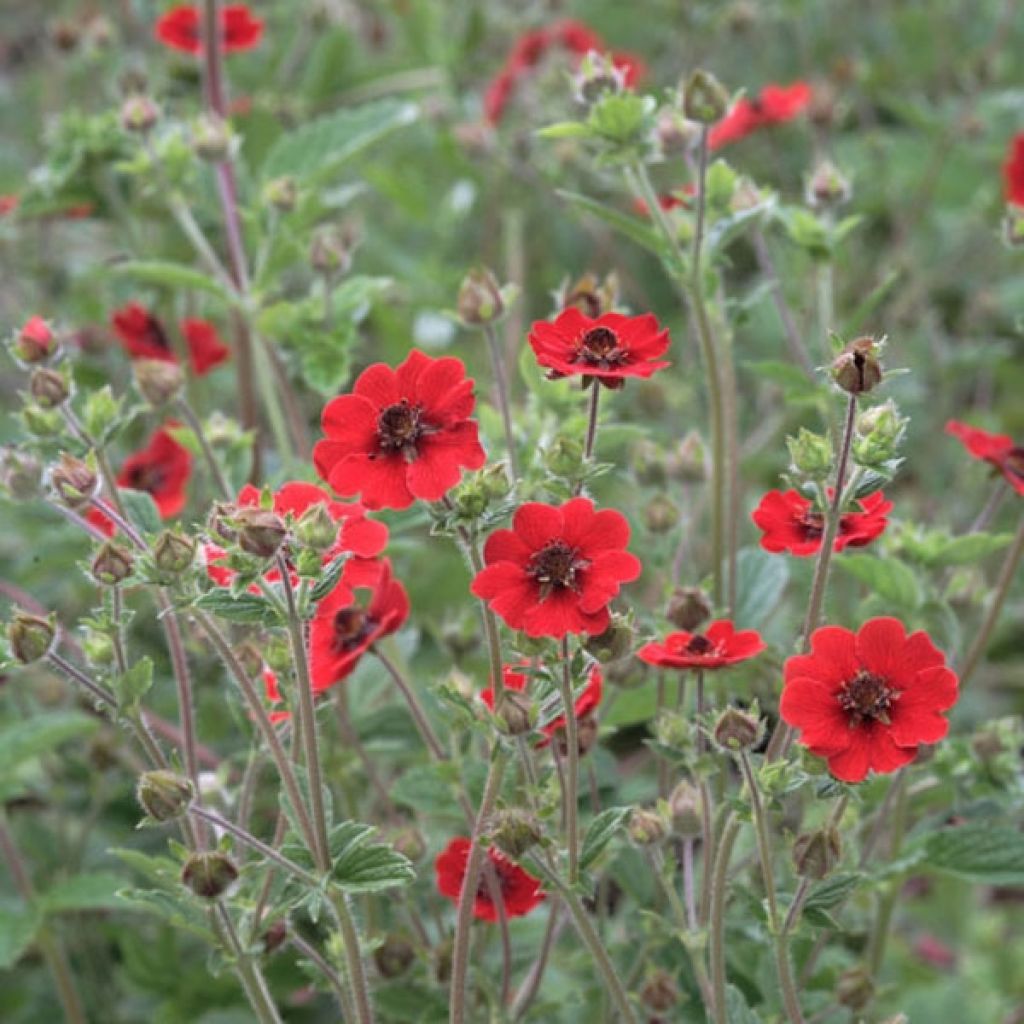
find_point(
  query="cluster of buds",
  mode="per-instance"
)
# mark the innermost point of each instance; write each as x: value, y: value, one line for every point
x: 476, y: 493
x: 512, y: 831
x: 856, y: 369
x: 879, y: 433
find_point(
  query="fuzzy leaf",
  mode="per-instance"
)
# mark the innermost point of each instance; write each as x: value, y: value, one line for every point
x: 361, y: 865
x: 761, y: 578
x: 141, y: 509
x: 832, y: 891
x: 248, y: 608
x: 176, y: 276
x: 40, y: 735
x: 631, y: 227
x: 92, y: 891
x: 889, y: 579
x: 985, y: 853
x: 600, y: 833
x: 17, y: 932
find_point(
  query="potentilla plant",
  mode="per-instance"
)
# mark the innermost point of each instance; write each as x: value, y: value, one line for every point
x: 502, y: 847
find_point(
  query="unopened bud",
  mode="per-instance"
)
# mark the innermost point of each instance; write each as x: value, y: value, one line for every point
x: 211, y: 138
x: 660, y: 992
x: 987, y: 745
x: 139, y: 114
x: 281, y: 193
x: 827, y: 188
x: 48, y: 388
x: 480, y: 300
x: 855, y: 989
x: 564, y: 457
x: 75, y: 481
x: 686, y: 805
x: 98, y: 648
x: 275, y: 936
x: 597, y: 76
x: 394, y: 957
x: 705, y: 99
x: 20, y: 474
x: 65, y: 35
x: 221, y: 522
x: 513, y: 832
x: 515, y: 712
x: 112, y: 564
x: 159, y: 381
x: 163, y: 795
x: 689, y: 462
x: 590, y: 296
x: 173, y: 553
x: 688, y: 608
x: 675, y: 133
x: 661, y: 514
x: 810, y: 453
x: 316, y: 529
x: 35, y: 342
x: 815, y: 854
x: 30, y: 637
x: 494, y: 481
x: 857, y: 369
x: 587, y: 730
x: 646, y: 827
x: 261, y: 532
x: 880, y: 431
x: 737, y: 730
x: 209, y: 874
x: 330, y: 251
x: 648, y: 462
x: 615, y: 642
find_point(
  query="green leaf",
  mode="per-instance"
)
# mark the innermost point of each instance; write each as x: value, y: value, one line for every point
x: 793, y: 381
x: 938, y: 550
x: 567, y: 130
x: 141, y: 510
x: 173, y: 907
x: 93, y: 891
x: 17, y: 932
x: 600, y: 833
x: 329, y: 579
x: 247, y: 608
x: 985, y: 853
x: 889, y: 579
x: 832, y: 891
x: 177, y: 276
x: 131, y: 686
x: 361, y: 865
x: 634, y: 229
x: 736, y: 1009
x: 318, y: 149
x: 760, y: 580
x: 40, y: 735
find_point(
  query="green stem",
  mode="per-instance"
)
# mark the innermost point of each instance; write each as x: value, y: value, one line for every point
x: 248, y: 971
x: 595, y: 396
x: 219, y: 480
x: 502, y: 390
x: 419, y: 716
x: 353, y: 957
x: 719, y: 892
x: 572, y: 766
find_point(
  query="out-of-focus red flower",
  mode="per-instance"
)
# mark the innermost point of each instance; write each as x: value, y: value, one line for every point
x: 775, y: 105
x: 205, y: 348
x: 933, y: 951
x: 557, y: 569
x: 180, y: 28
x: 520, y: 891
x: 866, y: 701
x: 678, y: 198
x: 144, y: 337
x: 717, y: 646
x: 998, y: 450
x: 402, y: 434
x: 789, y: 522
x: 1013, y: 170
x: 8, y: 203
x: 610, y: 348
x: 36, y: 341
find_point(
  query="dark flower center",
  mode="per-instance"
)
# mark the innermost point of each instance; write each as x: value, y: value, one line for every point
x: 146, y: 478
x: 699, y: 644
x: 555, y: 566
x: 867, y: 696
x: 600, y: 347
x: 813, y: 524
x: 492, y: 875
x: 350, y: 627
x: 1014, y: 462
x: 399, y: 427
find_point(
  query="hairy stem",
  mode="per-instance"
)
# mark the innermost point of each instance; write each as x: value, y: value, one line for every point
x: 419, y: 716
x: 572, y: 760
x: 501, y: 389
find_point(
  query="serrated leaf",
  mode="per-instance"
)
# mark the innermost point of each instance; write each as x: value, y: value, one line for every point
x: 141, y: 509
x: 248, y: 608
x: 361, y: 865
x: 631, y: 227
x: 947, y: 551
x: 18, y: 928
x: 760, y: 580
x: 600, y: 833
x: 990, y: 854
x: 92, y: 891
x: 171, y: 275
x: 832, y: 891
x: 177, y: 910
x: 40, y: 735
x: 131, y: 686
x: 329, y: 580
x: 886, y: 577
x: 318, y: 149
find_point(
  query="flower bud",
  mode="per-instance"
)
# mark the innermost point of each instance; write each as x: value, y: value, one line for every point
x: 163, y: 795
x: 686, y: 806
x: 75, y: 481
x: 173, y: 553
x: 494, y: 481
x: 211, y: 138
x: 987, y: 745
x: 281, y: 193
x: 590, y: 296
x: 660, y: 993
x: 98, y: 648
x: 513, y: 832
x: 855, y: 989
x: 316, y: 529
x: 275, y: 936
x: 827, y: 188
x: 209, y: 874
x: 648, y: 462
x: 564, y: 457
x: 159, y: 381
x: 20, y: 474
x: 139, y: 114
x: 394, y: 957
x: 250, y: 658
x: 674, y: 132
x: 35, y: 342
x: 480, y: 300
x: 688, y: 608
x: 112, y: 564
x: 30, y: 637
x: 810, y: 453
x: 857, y: 369
x: 704, y: 98
x: 597, y: 76
x: 878, y: 436
x: 65, y: 35
x: 815, y: 854
x: 332, y: 247
x: 646, y: 827
x: 689, y: 462
x: 48, y: 388
x: 587, y: 729
x: 615, y: 642
x: 221, y: 522
x: 261, y: 532
x: 737, y: 730
x: 515, y: 712
x: 661, y: 514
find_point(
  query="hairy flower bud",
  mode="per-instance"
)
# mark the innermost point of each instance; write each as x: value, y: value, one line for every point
x: 281, y: 193
x: 163, y: 795
x: 394, y: 957
x: 857, y: 369
x: 20, y: 474
x: 660, y: 993
x: 674, y: 132
x: 512, y: 831
x: 705, y: 99
x: 615, y: 642
x: 688, y: 608
x: 316, y: 529
x: 74, y: 481
x: 158, y: 381
x: 480, y: 300
x: 564, y: 457
x: 211, y: 138
x: 879, y: 433
x: 661, y: 514
x: 30, y: 637
x: 737, y: 730
x: 261, y: 532
x: 275, y: 936
x: 209, y: 874
x: 35, y: 342
x: 587, y: 729
x: 589, y: 295
x: 827, y: 188
x: 689, y: 462
x: 332, y: 247
x: 815, y: 854
x: 139, y: 114
x: 646, y: 827
x: 48, y: 388
x: 112, y: 564
x: 515, y: 712
x: 810, y: 453
x: 221, y: 522
x: 686, y: 806
x: 855, y: 989
x: 174, y: 553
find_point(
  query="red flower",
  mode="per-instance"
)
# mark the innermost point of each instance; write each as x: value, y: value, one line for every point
x: 676, y: 199
x: 775, y: 105
x: 403, y: 434
x: 144, y: 337
x: 8, y: 203
x: 790, y: 522
x: 205, y: 348
x: 867, y: 700
x: 556, y: 570
x: 343, y: 629
x: 610, y: 348
x: 996, y: 449
x: 35, y: 341
x: 576, y: 36
x: 585, y: 703
x: 717, y: 646
x: 180, y: 28
x: 520, y: 891
x: 634, y: 68
x: 1013, y: 170
x: 161, y: 469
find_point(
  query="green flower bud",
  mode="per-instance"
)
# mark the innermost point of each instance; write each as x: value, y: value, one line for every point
x: 689, y: 462
x: 261, y: 532
x: 661, y: 514
x: 139, y: 114
x: 480, y: 300
x: 30, y: 637
x: 281, y: 193
x: 163, y: 795
x: 705, y: 99
x: 394, y: 957
x: 332, y: 248
x: 494, y: 481
x: 857, y: 369
x: 855, y: 989
x: 615, y: 642
x: 688, y: 608
x: 209, y: 874
x: 316, y: 529
x: 174, y: 553
x: 737, y: 730
x: 98, y: 648
x: 646, y: 827
x: 686, y: 806
x: 879, y: 434
x: 211, y: 138
x: 597, y: 76
x: 158, y: 381
x: 512, y: 831
x: 827, y: 188
x: 48, y: 387
x: 564, y: 457
x: 815, y: 854
x: 648, y: 462
x: 112, y: 564
x: 810, y: 453
x: 75, y: 482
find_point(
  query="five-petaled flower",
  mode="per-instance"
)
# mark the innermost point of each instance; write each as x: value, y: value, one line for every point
x: 609, y: 348
x: 999, y: 450
x: 791, y: 522
x: 1013, y: 171
x: 180, y: 28
x: 520, y: 891
x: 718, y: 645
x: 144, y: 337
x: 557, y: 569
x: 775, y: 105
x: 402, y: 434
x: 866, y: 701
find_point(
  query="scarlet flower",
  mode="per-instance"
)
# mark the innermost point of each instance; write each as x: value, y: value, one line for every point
x: 775, y: 105
x: 520, y: 891
x: 8, y: 203
x: 789, y: 522
x: 556, y: 570
x: 205, y: 348
x: 180, y: 28
x: 144, y: 337
x: 998, y: 450
x: 343, y: 629
x: 867, y: 700
x: 674, y: 200
x: 585, y: 704
x: 1013, y: 170
x: 403, y: 434
x: 610, y: 348
x: 717, y: 646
